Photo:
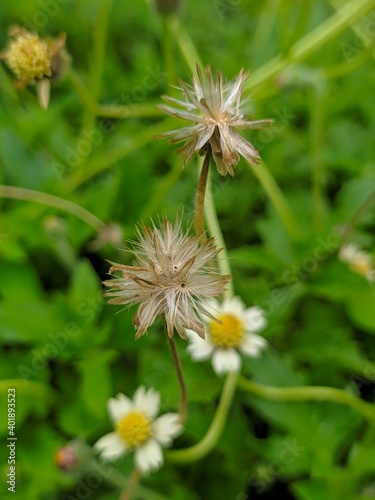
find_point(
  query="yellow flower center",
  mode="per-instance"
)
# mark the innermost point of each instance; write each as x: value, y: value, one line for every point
x: 29, y: 58
x: 229, y: 333
x: 361, y: 266
x: 134, y: 429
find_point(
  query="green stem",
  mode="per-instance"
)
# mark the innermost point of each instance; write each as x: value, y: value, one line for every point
x: 316, y: 110
x: 214, y: 231
x: 213, y: 434
x: 356, y: 218
x: 181, y: 379
x: 307, y: 393
x: 164, y: 186
x: 326, y: 31
x: 107, y: 159
x: 169, y: 60
x: 114, y: 477
x: 52, y: 201
x: 98, y: 52
x: 199, y: 198
x: 185, y: 43
x: 266, y: 179
x: 75, y: 80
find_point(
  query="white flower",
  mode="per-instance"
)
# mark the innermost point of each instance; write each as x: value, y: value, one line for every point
x: 137, y: 430
x: 359, y: 261
x: 236, y: 332
x: 215, y: 109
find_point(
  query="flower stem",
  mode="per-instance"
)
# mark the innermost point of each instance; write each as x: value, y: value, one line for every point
x: 52, y: 201
x: 326, y: 31
x: 181, y: 379
x: 263, y: 174
x: 199, y: 199
x: 214, y: 231
x: 133, y: 480
x: 213, y: 434
x: 306, y: 393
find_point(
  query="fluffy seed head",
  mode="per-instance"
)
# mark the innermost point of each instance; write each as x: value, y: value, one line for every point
x: 215, y: 109
x: 171, y: 277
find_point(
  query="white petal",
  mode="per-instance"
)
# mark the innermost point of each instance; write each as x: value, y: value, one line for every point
x: 198, y: 348
x: 233, y: 306
x: 212, y: 306
x: 255, y: 319
x: 110, y: 446
x: 149, y: 456
x: 118, y: 407
x: 147, y: 401
x: 166, y: 427
x: 226, y: 360
x: 252, y: 345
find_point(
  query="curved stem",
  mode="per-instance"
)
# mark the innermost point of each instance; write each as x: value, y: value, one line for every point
x: 107, y: 159
x: 213, y: 434
x: 277, y: 198
x: 181, y: 379
x: 214, y: 231
x: 307, y: 393
x: 52, y: 201
x: 326, y: 31
x: 199, y: 199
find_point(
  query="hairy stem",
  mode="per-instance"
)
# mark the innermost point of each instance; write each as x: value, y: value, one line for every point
x: 199, y: 199
x: 309, y: 393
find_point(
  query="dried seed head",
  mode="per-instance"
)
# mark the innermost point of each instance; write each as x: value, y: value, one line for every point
x: 215, y: 109
x: 171, y: 277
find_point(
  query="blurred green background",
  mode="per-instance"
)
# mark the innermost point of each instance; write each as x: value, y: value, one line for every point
x: 66, y: 351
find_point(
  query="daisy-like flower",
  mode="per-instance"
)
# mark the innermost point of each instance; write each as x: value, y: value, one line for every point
x: 359, y: 261
x: 236, y: 333
x: 171, y: 277
x: 138, y: 431
x: 34, y: 60
x: 215, y: 109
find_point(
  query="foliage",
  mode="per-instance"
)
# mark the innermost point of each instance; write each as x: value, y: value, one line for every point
x: 66, y: 351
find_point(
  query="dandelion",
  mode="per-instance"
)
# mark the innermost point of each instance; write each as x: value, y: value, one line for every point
x: 171, y: 277
x: 34, y: 60
x: 235, y: 333
x: 138, y: 431
x: 215, y: 109
x: 359, y: 261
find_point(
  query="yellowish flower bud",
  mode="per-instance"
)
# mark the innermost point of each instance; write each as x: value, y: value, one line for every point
x: 28, y: 56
